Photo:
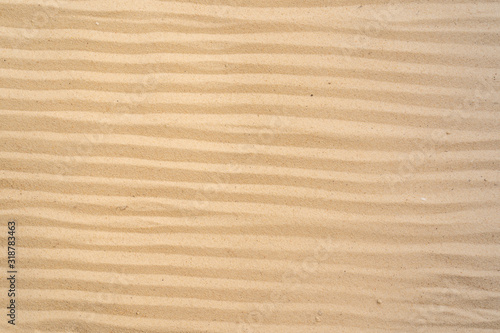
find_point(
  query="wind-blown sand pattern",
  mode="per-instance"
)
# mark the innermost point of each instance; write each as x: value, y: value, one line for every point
x: 251, y: 166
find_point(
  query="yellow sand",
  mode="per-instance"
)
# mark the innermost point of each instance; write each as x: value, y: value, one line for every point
x: 251, y: 166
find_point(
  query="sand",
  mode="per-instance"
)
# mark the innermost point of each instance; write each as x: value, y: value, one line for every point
x: 250, y: 166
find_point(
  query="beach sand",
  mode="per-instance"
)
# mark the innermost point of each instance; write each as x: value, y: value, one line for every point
x: 250, y: 166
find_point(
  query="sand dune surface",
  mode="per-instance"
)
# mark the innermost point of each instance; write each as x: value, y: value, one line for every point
x: 250, y: 166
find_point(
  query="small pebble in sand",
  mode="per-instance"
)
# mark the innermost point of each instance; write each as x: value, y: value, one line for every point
x: 97, y: 23
x: 379, y: 301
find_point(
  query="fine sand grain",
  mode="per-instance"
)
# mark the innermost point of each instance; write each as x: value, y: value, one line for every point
x: 251, y: 166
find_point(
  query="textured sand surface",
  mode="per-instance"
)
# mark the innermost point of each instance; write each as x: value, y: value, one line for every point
x: 251, y: 166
